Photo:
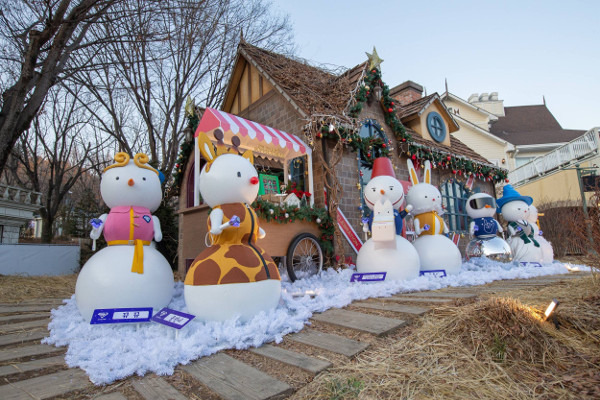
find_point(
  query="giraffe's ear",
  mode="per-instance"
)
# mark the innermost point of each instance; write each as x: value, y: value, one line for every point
x: 206, y: 147
x: 248, y: 155
x: 427, y: 173
x: 412, y: 172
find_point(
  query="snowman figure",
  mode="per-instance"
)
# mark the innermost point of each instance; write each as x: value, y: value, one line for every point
x: 515, y: 209
x: 386, y: 251
x: 483, y: 229
x: 130, y: 272
x: 234, y: 276
x: 546, y: 246
x: 436, y: 251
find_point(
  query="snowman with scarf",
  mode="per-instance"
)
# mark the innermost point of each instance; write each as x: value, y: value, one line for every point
x: 130, y: 272
x: 546, y: 246
x: 386, y: 251
x: 515, y: 210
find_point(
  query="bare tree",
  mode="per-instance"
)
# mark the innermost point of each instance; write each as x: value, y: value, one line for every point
x: 38, y: 40
x: 52, y: 155
x: 186, y: 49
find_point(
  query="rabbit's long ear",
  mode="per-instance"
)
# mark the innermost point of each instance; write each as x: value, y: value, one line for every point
x: 412, y: 172
x: 248, y: 155
x: 206, y: 148
x: 427, y: 176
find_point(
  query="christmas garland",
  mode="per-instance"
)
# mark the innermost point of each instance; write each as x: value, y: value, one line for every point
x: 185, y: 150
x: 289, y: 214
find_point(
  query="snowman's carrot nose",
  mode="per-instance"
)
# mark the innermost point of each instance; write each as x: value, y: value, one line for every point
x: 254, y: 180
x: 382, y: 191
x: 130, y: 182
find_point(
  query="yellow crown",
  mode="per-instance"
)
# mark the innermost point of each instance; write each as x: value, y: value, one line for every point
x: 122, y: 159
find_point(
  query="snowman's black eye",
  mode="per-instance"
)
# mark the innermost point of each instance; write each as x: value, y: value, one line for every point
x: 117, y: 178
x: 144, y: 178
x: 391, y: 188
x: 239, y: 174
x: 373, y: 190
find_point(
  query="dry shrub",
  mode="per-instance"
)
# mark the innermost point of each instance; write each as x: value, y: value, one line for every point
x: 563, y: 225
x: 25, y: 288
x: 491, y: 349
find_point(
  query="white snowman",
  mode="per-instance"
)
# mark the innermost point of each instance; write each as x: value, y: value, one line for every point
x: 436, y: 251
x: 386, y: 251
x: 130, y: 272
x: 234, y: 276
x: 546, y: 246
x: 483, y: 229
x: 515, y: 210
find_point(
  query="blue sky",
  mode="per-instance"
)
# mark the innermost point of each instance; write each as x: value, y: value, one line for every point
x: 521, y: 49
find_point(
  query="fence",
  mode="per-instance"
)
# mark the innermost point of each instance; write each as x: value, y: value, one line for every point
x: 38, y: 259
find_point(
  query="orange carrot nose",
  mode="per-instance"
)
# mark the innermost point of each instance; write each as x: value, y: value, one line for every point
x: 254, y: 180
x: 382, y: 191
x: 130, y: 182
x: 487, y: 206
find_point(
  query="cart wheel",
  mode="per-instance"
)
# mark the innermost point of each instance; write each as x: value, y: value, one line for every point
x: 304, y: 257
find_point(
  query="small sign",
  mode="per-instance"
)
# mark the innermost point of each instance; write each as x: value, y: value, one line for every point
x: 268, y: 184
x: 174, y: 319
x: 368, y: 277
x: 530, y: 264
x: 121, y: 315
x: 147, y: 218
x: 437, y: 273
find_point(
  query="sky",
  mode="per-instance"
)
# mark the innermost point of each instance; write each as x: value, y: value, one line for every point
x: 524, y: 50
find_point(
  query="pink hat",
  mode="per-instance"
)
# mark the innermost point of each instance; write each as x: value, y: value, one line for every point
x: 383, y: 166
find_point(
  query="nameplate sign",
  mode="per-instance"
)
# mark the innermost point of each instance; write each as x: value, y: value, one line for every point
x: 121, y: 315
x: 437, y: 273
x: 530, y: 264
x: 368, y: 277
x: 174, y: 319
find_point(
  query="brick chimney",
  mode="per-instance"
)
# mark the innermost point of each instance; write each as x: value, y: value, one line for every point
x: 406, y: 92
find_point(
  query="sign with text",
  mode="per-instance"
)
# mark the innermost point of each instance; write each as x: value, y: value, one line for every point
x: 530, y: 264
x: 437, y: 273
x: 121, y: 315
x: 368, y: 277
x: 174, y: 319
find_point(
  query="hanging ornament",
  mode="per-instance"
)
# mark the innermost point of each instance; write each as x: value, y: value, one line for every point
x: 271, y: 211
x: 287, y: 215
x: 318, y: 220
x: 330, y: 128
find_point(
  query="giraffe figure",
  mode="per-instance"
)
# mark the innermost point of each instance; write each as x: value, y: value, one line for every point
x: 234, y: 276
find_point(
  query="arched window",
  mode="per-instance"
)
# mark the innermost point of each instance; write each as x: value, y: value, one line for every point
x: 369, y: 129
x: 189, y: 187
x: 454, y: 200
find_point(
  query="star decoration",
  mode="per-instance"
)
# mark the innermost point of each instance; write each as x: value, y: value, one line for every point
x: 374, y: 60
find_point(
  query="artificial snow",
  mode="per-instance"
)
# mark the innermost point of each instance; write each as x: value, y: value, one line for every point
x: 112, y: 352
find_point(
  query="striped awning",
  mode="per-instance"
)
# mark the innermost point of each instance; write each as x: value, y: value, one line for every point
x: 261, y: 139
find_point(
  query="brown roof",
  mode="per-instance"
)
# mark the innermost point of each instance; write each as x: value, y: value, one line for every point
x: 523, y: 125
x: 458, y: 148
x: 414, y: 107
x: 312, y: 89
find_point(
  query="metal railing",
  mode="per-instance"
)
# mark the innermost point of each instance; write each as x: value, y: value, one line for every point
x: 20, y: 195
x: 577, y: 149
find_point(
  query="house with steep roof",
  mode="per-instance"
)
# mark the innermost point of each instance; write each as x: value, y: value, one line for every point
x: 348, y: 119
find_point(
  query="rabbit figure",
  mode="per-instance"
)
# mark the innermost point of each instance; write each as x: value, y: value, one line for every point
x: 386, y: 250
x: 130, y: 272
x: 483, y: 230
x: 515, y: 210
x: 546, y: 246
x: 436, y: 251
x: 234, y: 276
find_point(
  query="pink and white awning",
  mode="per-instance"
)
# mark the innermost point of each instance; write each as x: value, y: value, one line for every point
x: 261, y: 139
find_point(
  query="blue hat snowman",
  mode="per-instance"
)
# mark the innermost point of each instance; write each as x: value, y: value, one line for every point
x: 510, y: 194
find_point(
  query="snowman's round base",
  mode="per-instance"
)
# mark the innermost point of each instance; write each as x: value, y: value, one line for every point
x: 222, y: 302
x: 547, y: 250
x: 525, y: 252
x: 438, y: 252
x: 106, y: 281
x: 400, y: 263
x: 494, y: 248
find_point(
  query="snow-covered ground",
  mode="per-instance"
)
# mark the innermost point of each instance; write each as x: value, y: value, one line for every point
x: 111, y: 352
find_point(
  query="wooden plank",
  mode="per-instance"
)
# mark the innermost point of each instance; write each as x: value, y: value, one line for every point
x: 25, y: 308
x: 234, y: 380
x: 302, y: 361
x: 42, y: 323
x: 419, y: 299
x: 28, y: 351
x: 46, y: 386
x: 111, y: 396
x: 22, y: 317
x: 156, y: 388
x: 21, y: 337
x: 362, y: 322
x: 384, y: 305
x: 19, y: 368
x: 439, y: 294
x: 334, y: 343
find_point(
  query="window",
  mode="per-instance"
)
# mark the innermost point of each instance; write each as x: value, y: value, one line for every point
x: 370, y: 129
x: 454, y: 200
x: 522, y: 161
x: 436, y: 127
x: 190, y: 187
x: 297, y: 173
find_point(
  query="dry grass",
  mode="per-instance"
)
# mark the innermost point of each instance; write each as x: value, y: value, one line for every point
x: 14, y: 289
x: 497, y: 348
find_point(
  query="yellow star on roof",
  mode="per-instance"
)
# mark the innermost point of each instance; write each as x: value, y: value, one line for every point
x: 374, y: 60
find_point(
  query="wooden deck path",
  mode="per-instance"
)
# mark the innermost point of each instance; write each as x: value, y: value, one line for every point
x: 31, y: 370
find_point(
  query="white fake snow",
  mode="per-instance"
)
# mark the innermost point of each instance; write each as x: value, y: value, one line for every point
x: 112, y: 352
